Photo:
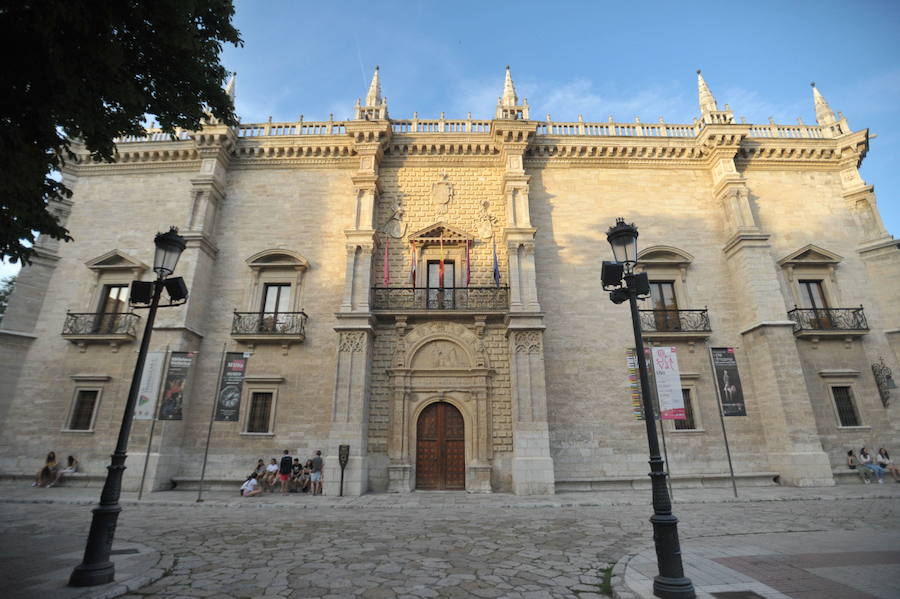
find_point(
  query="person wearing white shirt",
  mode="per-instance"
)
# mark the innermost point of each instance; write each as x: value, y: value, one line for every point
x: 250, y: 486
x: 883, y: 459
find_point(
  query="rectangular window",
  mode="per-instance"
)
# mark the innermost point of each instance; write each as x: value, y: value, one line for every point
x: 688, y: 424
x: 260, y: 412
x: 665, y: 308
x: 843, y: 403
x: 276, y: 301
x: 113, y: 303
x: 82, y: 418
x: 440, y: 288
x: 813, y: 297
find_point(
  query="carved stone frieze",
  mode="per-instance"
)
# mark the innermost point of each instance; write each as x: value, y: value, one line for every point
x: 528, y: 342
x: 352, y: 341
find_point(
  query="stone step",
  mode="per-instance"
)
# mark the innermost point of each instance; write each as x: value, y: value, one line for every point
x: 679, y: 481
x: 76, y: 479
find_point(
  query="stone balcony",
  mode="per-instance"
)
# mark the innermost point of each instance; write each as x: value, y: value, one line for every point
x: 407, y: 300
x: 674, y: 325
x: 113, y: 328
x: 284, y: 328
x: 815, y: 323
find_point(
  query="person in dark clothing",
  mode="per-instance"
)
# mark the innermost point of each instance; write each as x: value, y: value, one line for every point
x: 284, y: 471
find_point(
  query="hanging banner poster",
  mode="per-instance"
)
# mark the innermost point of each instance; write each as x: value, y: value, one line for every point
x: 634, y: 384
x: 228, y: 404
x: 148, y: 392
x: 728, y: 381
x: 668, y: 383
x: 175, y: 387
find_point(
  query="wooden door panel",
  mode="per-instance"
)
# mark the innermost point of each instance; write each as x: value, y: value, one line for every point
x: 440, y: 448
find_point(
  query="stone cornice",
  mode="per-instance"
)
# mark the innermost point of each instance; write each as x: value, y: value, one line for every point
x: 750, y: 149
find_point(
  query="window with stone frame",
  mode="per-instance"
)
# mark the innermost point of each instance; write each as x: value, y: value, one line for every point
x: 274, y: 295
x: 844, y: 406
x: 664, y: 305
x: 84, y: 410
x: 811, y: 276
x: 260, y: 411
x: 689, y: 423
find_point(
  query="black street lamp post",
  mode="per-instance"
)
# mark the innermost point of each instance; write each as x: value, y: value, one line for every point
x: 671, y: 583
x: 96, y: 567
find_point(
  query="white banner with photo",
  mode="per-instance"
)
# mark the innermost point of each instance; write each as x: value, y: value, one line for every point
x: 668, y: 383
x: 148, y: 392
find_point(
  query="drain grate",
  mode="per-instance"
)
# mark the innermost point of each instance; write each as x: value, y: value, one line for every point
x: 123, y: 551
x: 737, y: 595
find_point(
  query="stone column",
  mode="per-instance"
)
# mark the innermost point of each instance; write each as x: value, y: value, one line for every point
x: 532, y: 466
x: 779, y: 389
x: 350, y: 405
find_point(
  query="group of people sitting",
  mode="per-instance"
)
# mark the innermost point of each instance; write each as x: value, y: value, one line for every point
x: 869, y: 467
x: 52, y: 473
x: 288, y: 474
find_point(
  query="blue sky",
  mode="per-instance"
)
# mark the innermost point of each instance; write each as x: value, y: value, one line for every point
x: 590, y: 58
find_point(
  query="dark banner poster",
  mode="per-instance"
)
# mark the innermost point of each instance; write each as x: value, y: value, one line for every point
x: 176, y: 385
x: 728, y: 381
x: 228, y: 404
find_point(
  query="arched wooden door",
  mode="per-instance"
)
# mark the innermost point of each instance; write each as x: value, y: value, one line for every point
x: 440, y: 448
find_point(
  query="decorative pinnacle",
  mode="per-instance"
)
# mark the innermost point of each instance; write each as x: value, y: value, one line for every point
x: 707, y: 101
x: 229, y: 87
x: 824, y: 114
x: 373, y: 98
x: 509, y: 91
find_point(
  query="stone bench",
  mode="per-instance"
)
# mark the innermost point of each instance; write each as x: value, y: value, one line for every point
x: 75, y: 479
x: 679, y: 481
x: 192, y: 483
x: 849, y: 477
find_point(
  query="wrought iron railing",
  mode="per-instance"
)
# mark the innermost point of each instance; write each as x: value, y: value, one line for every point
x: 447, y: 298
x: 675, y: 321
x: 829, y: 319
x: 100, y: 323
x: 269, y: 323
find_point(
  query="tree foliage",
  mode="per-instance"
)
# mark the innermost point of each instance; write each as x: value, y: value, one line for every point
x: 92, y: 70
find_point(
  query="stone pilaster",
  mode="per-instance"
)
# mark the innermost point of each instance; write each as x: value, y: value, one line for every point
x: 792, y: 444
x: 532, y: 468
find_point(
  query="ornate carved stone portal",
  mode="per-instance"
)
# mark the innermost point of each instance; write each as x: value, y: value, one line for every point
x: 440, y: 362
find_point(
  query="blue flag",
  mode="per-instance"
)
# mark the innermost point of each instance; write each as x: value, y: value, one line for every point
x: 496, y: 267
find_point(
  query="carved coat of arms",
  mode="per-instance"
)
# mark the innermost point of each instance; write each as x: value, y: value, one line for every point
x: 442, y: 194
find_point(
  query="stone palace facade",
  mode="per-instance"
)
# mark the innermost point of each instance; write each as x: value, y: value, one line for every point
x: 428, y: 292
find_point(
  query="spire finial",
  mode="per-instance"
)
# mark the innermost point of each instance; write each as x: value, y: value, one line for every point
x: 509, y: 91
x: 707, y: 101
x: 824, y: 114
x: 229, y: 87
x: 373, y: 98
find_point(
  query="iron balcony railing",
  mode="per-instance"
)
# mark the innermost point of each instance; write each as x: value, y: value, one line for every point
x: 828, y: 319
x: 269, y: 323
x: 492, y: 299
x: 100, y: 323
x: 675, y: 321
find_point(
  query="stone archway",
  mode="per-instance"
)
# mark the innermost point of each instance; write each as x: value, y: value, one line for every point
x: 440, y: 362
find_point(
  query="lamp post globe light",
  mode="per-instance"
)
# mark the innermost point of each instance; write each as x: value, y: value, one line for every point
x: 671, y: 583
x: 96, y: 567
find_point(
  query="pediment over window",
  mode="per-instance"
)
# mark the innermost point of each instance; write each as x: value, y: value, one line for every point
x: 433, y: 234
x: 116, y: 260
x: 810, y: 255
x: 664, y: 255
x: 277, y: 258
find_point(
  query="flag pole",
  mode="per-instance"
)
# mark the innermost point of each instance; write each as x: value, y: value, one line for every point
x: 212, y: 417
x: 162, y: 380
x: 715, y: 377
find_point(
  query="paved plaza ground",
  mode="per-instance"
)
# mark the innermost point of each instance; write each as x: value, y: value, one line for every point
x: 777, y: 542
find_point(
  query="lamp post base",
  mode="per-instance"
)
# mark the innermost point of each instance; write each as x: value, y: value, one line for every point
x: 92, y: 575
x: 673, y: 588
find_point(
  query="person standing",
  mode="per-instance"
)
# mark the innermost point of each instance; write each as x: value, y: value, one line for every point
x: 315, y: 476
x: 284, y: 471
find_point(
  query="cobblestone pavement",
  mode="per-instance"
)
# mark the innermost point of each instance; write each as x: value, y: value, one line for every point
x: 435, y: 546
